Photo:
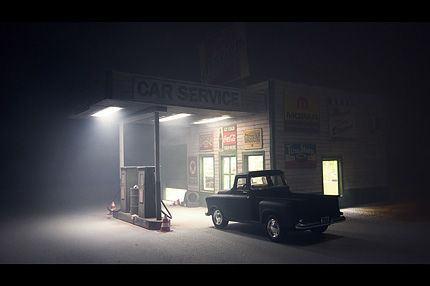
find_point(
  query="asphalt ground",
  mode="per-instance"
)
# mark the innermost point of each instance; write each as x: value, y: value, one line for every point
x: 91, y: 236
x: 406, y: 210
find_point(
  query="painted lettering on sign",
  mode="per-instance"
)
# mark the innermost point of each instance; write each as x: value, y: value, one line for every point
x: 341, y: 118
x: 300, y: 155
x: 229, y: 138
x: 301, y: 108
x: 301, y: 116
x: 213, y: 64
x: 301, y: 111
x: 184, y: 94
x: 223, y: 56
x: 252, y: 139
x: 160, y: 91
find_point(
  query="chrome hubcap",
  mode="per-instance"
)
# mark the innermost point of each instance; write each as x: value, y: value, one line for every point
x: 217, y: 217
x: 273, y: 228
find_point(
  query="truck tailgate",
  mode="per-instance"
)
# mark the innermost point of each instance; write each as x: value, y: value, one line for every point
x: 314, y: 207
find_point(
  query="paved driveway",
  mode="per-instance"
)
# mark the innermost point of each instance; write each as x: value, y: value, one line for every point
x: 92, y: 236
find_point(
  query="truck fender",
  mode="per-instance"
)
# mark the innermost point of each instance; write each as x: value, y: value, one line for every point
x: 212, y: 208
x: 278, y: 209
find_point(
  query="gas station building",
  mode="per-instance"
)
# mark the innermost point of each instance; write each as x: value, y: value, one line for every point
x: 326, y: 141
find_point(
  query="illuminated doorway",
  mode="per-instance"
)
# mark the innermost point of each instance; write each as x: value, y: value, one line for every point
x: 207, y: 173
x: 228, y: 172
x: 332, y: 179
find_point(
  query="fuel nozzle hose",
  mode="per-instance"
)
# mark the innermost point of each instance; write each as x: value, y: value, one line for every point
x: 167, y: 215
x: 112, y: 200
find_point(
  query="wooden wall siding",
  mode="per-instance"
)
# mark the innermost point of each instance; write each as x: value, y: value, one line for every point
x: 254, y: 121
x: 246, y: 123
x: 364, y: 161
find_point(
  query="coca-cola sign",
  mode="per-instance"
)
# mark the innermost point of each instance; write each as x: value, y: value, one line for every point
x: 228, y: 138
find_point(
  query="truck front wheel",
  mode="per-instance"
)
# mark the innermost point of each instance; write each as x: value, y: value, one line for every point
x: 218, y: 219
x: 274, y: 229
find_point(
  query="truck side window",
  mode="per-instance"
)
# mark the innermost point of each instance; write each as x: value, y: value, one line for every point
x: 241, y: 184
x: 259, y: 183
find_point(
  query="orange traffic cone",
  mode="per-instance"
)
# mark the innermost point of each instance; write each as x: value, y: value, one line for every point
x: 165, y: 224
x: 112, y: 207
x: 177, y: 202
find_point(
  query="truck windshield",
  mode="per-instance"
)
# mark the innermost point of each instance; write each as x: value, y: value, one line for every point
x: 265, y: 182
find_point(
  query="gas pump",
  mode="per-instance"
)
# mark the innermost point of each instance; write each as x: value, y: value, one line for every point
x: 128, y: 180
x: 138, y: 198
x: 146, y: 205
x: 143, y: 178
x: 147, y: 195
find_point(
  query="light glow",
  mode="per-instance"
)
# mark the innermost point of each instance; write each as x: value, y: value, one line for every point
x: 107, y: 111
x: 174, y: 117
x: 211, y: 120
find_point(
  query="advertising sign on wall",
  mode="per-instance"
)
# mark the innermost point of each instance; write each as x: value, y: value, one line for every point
x: 301, y: 111
x: 178, y: 93
x: 300, y: 155
x: 192, y: 170
x: 229, y: 138
x: 223, y: 56
x: 340, y: 118
x: 253, y: 139
x: 206, y: 142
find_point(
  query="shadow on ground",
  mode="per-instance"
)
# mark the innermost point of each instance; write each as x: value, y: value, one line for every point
x: 298, y: 238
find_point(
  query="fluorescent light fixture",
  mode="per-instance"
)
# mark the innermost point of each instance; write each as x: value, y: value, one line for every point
x: 107, y: 111
x: 174, y: 117
x: 210, y: 120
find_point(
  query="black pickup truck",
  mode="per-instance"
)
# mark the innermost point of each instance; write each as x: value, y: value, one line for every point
x: 265, y: 197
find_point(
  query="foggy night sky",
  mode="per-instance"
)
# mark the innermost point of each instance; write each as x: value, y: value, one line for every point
x: 43, y: 65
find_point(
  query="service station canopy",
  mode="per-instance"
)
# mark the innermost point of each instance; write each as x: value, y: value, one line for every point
x: 140, y: 96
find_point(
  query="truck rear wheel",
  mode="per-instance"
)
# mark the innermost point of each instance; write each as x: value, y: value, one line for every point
x: 274, y: 229
x: 218, y: 219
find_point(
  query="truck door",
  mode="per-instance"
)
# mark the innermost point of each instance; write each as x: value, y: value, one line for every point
x: 239, y: 202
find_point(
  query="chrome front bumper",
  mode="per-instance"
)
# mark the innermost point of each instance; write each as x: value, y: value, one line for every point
x: 310, y: 225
